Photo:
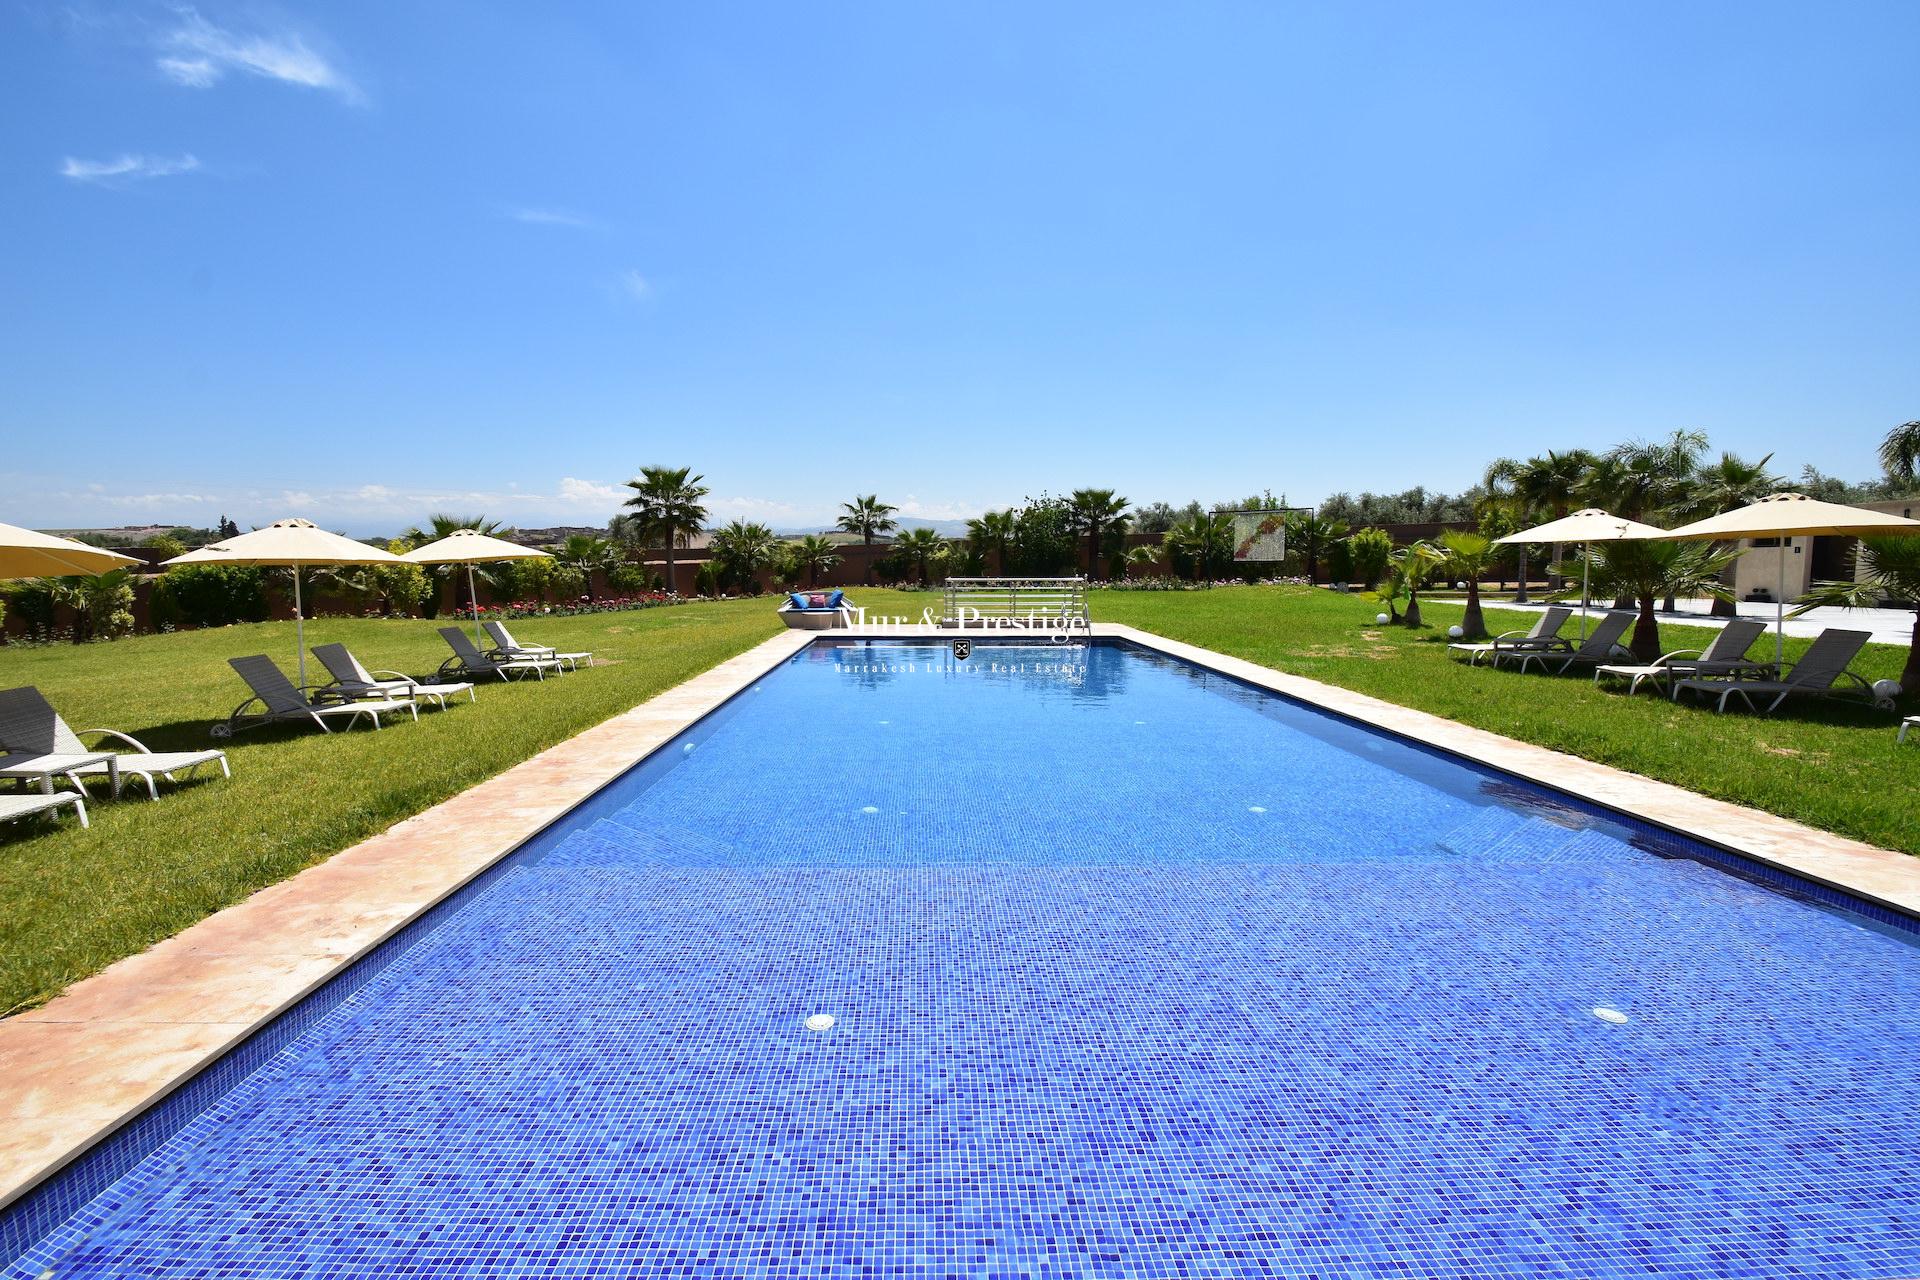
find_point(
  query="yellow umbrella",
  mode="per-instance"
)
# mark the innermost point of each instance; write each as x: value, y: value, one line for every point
x: 290, y: 544
x: 1791, y: 515
x: 471, y: 547
x: 25, y: 553
x: 1589, y: 526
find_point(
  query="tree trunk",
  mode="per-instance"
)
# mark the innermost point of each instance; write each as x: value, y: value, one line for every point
x: 1473, y: 624
x: 1412, y: 618
x: 866, y: 540
x: 1520, y: 592
x: 1646, y: 633
x: 1671, y: 604
x: 669, y: 550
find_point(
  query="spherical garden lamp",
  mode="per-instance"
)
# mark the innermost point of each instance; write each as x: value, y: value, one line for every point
x: 1382, y: 619
x: 1456, y: 631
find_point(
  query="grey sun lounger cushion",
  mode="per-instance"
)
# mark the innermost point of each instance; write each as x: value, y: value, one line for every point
x: 1545, y: 634
x: 467, y: 658
x: 22, y: 806
x: 1820, y: 668
x: 352, y: 681
x: 30, y: 725
x: 1600, y: 645
x: 282, y: 702
x: 1726, y: 656
x: 504, y: 641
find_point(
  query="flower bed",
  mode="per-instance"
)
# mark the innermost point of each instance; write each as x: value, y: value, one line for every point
x: 571, y: 608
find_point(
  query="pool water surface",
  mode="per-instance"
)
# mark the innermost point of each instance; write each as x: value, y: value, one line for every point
x: 1133, y: 971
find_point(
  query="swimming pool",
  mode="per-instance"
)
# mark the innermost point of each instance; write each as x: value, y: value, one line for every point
x: 1135, y: 971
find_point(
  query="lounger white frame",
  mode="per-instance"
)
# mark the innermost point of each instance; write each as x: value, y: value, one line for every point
x: 1544, y: 634
x: 1725, y: 656
x: 28, y: 803
x: 468, y: 659
x: 508, y: 647
x: 1823, y: 665
x: 29, y: 723
x: 283, y: 702
x: 1600, y: 644
x: 352, y: 681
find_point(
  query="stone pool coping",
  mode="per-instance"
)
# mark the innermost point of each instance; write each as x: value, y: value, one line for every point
x: 81, y: 1066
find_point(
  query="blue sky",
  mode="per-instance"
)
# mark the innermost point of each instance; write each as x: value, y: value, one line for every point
x: 364, y: 261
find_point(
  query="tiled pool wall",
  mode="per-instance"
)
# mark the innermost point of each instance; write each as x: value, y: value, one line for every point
x: 42, y: 1209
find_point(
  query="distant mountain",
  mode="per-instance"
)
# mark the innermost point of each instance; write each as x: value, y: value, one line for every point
x: 945, y: 528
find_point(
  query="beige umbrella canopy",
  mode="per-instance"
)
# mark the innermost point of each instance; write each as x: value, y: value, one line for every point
x: 471, y: 547
x: 289, y: 544
x: 1589, y: 526
x: 1792, y: 515
x: 25, y: 553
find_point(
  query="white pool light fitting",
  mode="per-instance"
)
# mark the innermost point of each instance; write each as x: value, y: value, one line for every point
x: 820, y: 1022
x: 1610, y: 1015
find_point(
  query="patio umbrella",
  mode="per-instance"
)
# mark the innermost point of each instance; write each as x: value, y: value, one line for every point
x: 1589, y: 526
x: 1791, y: 515
x: 471, y: 547
x: 27, y: 554
x: 294, y: 544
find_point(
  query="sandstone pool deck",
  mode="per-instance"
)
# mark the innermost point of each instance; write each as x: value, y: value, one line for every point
x: 78, y: 1068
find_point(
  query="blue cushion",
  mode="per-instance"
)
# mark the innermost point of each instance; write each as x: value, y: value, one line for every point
x: 834, y: 599
x: 798, y: 598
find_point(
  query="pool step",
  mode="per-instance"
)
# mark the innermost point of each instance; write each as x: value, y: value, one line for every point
x: 612, y: 842
x: 1501, y: 835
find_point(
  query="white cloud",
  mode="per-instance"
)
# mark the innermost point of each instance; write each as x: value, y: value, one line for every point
x: 912, y: 506
x: 127, y: 166
x: 634, y: 285
x: 554, y: 218
x: 199, y: 54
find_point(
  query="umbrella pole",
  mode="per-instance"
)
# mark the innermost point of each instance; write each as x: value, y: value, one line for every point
x: 1586, y: 585
x: 473, y: 598
x: 299, y: 628
x: 1780, y: 610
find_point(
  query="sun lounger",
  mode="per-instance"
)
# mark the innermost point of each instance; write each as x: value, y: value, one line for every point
x: 1909, y: 723
x: 22, y: 806
x: 280, y: 702
x: 467, y: 660
x: 1726, y: 656
x: 1602, y: 644
x: 1545, y: 634
x: 352, y: 682
x: 508, y: 647
x: 1819, y: 670
x: 30, y: 726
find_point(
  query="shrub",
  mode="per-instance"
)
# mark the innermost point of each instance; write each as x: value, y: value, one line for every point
x: 1370, y: 549
x: 213, y: 595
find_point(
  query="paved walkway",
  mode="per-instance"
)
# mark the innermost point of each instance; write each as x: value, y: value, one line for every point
x: 1889, y: 626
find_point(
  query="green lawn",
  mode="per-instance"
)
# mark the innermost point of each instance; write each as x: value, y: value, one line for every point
x: 72, y: 902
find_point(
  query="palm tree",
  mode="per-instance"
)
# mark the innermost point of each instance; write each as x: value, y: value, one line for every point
x: 1505, y: 506
x: 1723, y: 486
x: 1892, y: 572
x: 666, y: 505
x: 1547, y: 485
x: 1467, y: 556
x: 1412, y: 564
x: 1642, y: 571
x: 867, y: 516
x: 1311, y: 536
x: 1143, y: 557
x: 1900, y: 452
x: 920, y: 546
x: 814, y: 553
x: 1206, y: 540
x: 1094, y: 511
x: 741, y: 549
x: 992, y: 531
x: 587, y: 553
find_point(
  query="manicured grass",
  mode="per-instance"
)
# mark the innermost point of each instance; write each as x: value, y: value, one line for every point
x: 73, y: 901
x: 1827, y: 764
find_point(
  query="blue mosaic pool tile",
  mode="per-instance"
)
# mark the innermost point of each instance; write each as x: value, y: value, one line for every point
x: 1137, y: 974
